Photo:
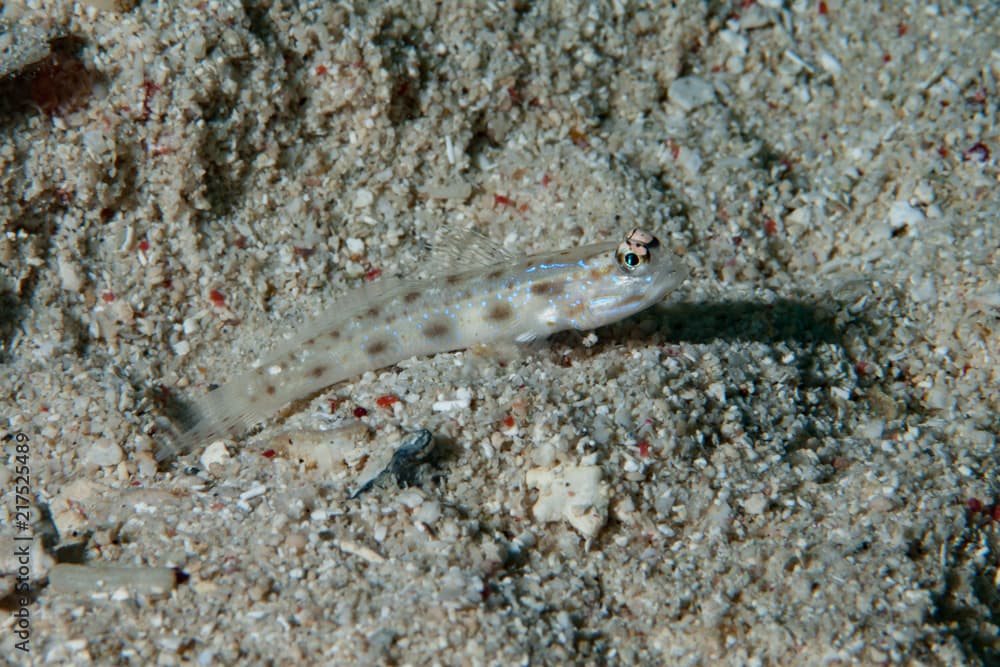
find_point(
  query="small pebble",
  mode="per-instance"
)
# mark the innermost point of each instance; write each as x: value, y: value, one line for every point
x: 296, y: 542
x: 902, y: 214
x: 68, y: 578
x: 355, y: 246
x: 830, y: 64
x: 924, y: 192
x: 755, y: 504
x: 215, y: 453
x: 690, y: 92
x: 362, y: 199
x: 736, y: 42
x: 462, y: 401
x: 69, y: 275
x: 103, y: 452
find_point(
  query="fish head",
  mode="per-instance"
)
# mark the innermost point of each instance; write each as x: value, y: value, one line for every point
x: 636, y: 274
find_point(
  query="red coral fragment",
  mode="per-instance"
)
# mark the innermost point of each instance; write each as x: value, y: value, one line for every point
x: 386, y: 401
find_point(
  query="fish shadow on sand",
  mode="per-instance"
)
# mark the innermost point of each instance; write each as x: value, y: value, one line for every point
x: 785, y: 320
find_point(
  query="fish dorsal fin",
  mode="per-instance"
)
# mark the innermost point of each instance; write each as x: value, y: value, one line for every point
x: 459, y: 250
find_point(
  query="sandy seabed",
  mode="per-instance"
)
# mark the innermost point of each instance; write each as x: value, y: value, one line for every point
x: 790, y: 461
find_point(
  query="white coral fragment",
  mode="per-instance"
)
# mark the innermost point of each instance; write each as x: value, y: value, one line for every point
x: 575, y: 494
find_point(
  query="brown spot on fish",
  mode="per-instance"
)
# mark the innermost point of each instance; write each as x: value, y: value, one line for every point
x: 317, y: 371
x: 437, y: 329
x: 377, y: 347
x: 373, y: 311
x: 547, y: 287
x: 600, y: 273
x: 411, y: 297
x: 311, y: 341
x: 494, y: 274
x: 453, y: 279
x: 270, y: 389
x: 334, y: 335
x: 499, y: 312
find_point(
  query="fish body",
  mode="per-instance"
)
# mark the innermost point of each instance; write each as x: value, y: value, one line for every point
x: 493, y: 297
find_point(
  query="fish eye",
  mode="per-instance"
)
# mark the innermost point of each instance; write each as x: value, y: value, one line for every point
x: 631, y: 258
x: 634, y: 250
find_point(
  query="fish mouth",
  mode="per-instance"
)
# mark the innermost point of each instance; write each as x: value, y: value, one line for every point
x: 672, y: 275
